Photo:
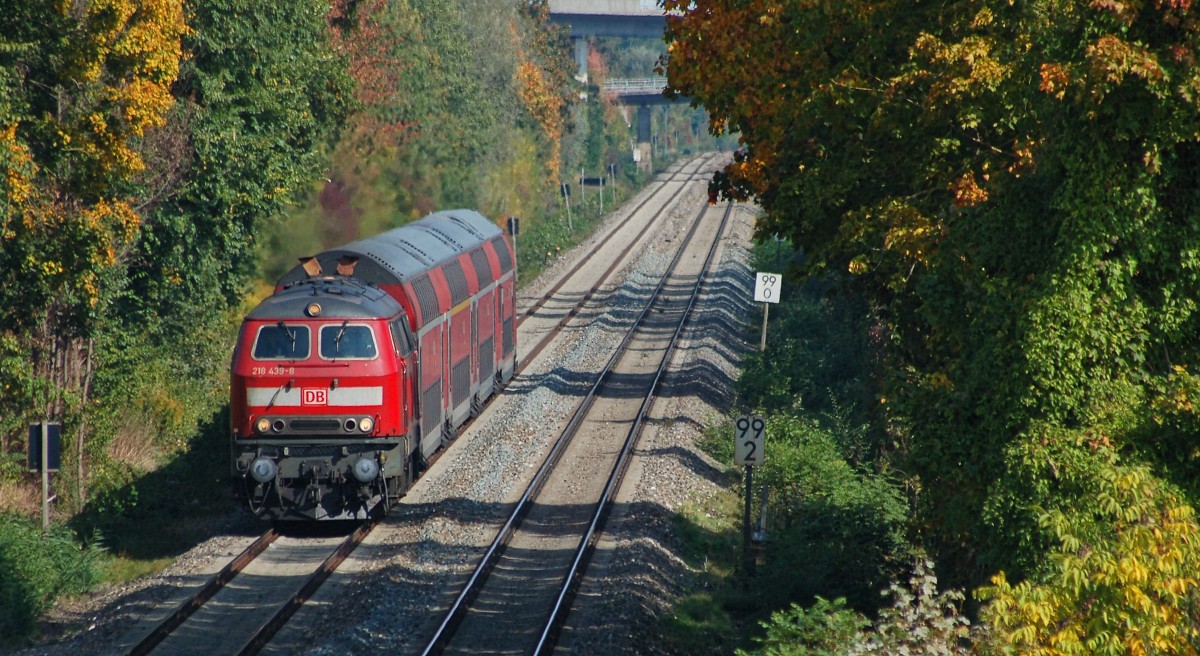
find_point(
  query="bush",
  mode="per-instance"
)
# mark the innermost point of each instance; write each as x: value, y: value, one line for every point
x: 824, y: 629
x: 920, y: 620
x: 36, y: 568
x: 1120, y: 577
x: 835, y: 531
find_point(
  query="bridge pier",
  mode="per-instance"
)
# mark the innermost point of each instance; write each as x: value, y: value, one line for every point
x: 644, y: 151
x: 581, y: 58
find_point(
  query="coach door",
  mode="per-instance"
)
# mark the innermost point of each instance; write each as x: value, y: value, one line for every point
x: 460, y: 343
x: 485, y: 326
x: 507, y: 326
x: 430, y: 362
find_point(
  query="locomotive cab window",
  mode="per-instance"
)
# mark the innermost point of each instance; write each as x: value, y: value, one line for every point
x: 281, y: 342
x: 347, y: 342
x: 401, y: 337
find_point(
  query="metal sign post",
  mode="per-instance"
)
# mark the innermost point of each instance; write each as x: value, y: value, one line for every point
x: 766, y: 291
x: 612, y: 175
x: 514, y: 229
x: 45, y: 476
x: 566, y: 194
x: 749, y: 434
x: 45, y: 454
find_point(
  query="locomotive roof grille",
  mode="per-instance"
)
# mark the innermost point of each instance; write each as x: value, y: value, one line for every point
x: 440, y: 236
x: 502, y: 252
x: 412, y: 249
x: 458, y: 282
x: 447, y: 236
x: 382, y: 261
x: 426, y: 298
x: 483, y: 270
x: 468, y: 227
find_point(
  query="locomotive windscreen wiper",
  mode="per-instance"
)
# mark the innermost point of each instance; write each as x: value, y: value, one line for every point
x: 286, y: 385
x: 290, y: 334
x: 337, y: 339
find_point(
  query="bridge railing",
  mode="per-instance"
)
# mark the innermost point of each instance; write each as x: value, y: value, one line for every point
x: 634, y: 86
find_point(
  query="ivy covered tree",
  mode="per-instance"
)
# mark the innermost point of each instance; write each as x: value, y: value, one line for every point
x: 139, y: 157
x: 260, y: 96
x: 81, y: 85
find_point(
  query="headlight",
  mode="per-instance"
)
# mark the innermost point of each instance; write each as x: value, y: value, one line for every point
x: 366, y: 470
x: 262, y: 425
x: 366, y: 424
x: 263, y: 470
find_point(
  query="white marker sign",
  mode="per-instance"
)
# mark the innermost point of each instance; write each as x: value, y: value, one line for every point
x: 766, y: 287
x: 749, y: 432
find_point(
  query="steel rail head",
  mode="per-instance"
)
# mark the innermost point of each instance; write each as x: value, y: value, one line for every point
x: 268, y: 629
x: 214, y: 584
x: 457, y: 611
x: 555, y: 289
x: 583, y: 553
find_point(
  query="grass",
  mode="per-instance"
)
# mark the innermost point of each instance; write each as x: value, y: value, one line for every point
x: 118, y: 569
x: 711, y: 619
x: 21, y: 498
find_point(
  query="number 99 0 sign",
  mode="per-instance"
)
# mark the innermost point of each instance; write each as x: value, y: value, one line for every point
x: 749, y: 432
x: 766, y: 287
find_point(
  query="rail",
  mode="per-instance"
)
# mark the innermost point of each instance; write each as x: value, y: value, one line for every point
x: 549, y: 632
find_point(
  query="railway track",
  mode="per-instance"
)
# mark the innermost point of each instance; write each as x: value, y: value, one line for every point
x: 520, y: 593
x: 576, y: 287
x: 223, y: 616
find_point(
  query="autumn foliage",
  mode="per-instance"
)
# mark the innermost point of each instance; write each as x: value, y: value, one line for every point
x: 123, y: 209
x: 1013, y: 187
x: 110, y: 84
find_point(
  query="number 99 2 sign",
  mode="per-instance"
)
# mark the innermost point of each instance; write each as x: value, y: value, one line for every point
x: 749, y: 432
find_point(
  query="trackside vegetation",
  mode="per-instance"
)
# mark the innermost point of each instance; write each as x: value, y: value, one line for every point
x: 162, y: 160
x: 39, y: 567
x: 1001, y: 198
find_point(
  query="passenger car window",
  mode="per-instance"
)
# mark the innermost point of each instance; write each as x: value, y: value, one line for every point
x: 282, y: 342
x: 347, y: 342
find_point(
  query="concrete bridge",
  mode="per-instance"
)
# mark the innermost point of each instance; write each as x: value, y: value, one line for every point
x: 641, y: 18
x: 587, y: 18
x: 629, y: 18
x: 637, y: 91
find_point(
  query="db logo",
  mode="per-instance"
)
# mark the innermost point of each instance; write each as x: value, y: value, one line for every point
x: 315, y: 396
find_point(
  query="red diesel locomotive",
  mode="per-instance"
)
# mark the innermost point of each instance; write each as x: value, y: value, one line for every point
x: 365, y: 361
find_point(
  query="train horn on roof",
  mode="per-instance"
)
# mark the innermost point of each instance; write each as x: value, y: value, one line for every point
x: 311, y: 266
x: 346, y: 265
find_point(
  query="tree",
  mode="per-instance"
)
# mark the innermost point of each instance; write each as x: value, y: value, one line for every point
x: 82, y: 85
x: 139, y: 158
x: 1013, y: 187
x: 1122, y: 576
x: 262, y: 94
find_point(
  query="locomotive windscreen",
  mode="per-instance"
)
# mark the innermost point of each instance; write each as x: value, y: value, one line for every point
x: 281, y: 342
x: 346, y: 342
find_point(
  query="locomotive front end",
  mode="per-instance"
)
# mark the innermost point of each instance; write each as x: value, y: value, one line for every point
x: 320, y: 403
